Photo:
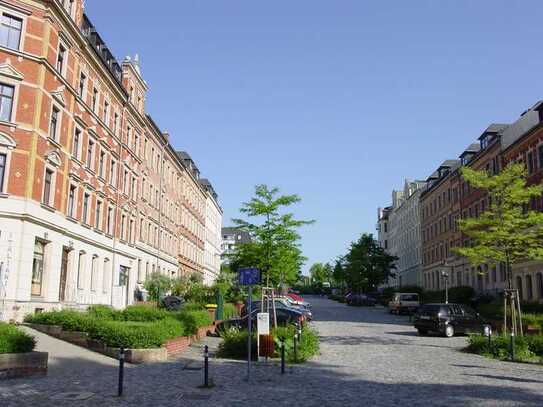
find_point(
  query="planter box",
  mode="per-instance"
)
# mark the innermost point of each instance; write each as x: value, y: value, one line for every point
x: 177, y: 345
x: 52, y: 330
x: 16, y: 365
x: 77, y: 338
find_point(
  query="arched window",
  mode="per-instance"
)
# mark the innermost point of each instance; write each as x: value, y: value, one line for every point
x: 94, y: 272
x: 80, y: 269
x: 529, y: 290
x: 519, y: 287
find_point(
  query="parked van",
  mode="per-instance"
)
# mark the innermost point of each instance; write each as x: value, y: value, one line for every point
x: 404, y: 303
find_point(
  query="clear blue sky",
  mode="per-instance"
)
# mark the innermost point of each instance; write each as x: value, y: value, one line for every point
x: 337, y: 101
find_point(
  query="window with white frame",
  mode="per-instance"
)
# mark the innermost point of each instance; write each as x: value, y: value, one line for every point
x: 54, y: 124
x: 109, y: 221
x: 3, y: 165
x: 106, y: 113
x: 48, y: 187
x: 72, y: 199
x: 113, y: 173
x: 86, y: 208
x: 115, y: 123
x: 94, y: 103
x: 105, y: 273
x: 6, y: 101
x: 90, y: 154
x: 10, y: 31
x: 76, y: 143
x: 101, y: 163
x: 98, y: 215
x: 61, y: 58
x: 7, y: 144
x: 82, y: 84
x: 94, y: 272
x: 80, y: 269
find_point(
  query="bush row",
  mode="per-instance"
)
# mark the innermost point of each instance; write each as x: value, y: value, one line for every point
x: 526, y: 347
x: 135, y: 327
x: 229, y: 311
x: 13, y: 340
x: 234, y: 343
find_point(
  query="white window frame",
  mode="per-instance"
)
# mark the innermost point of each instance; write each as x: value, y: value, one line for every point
x: 7, y: 10
x: 51, y: 197
x: 63, y: 69
x: 58, y: 128
x: 77, y: 154
x: 90, y: 165
x: 73, y: 213
x: 7, y: 145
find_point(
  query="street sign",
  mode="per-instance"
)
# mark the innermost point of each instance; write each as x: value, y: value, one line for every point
x: 248, y: 276
x: 263, y: 323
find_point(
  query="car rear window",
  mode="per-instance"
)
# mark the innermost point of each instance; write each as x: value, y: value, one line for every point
x: 429, y: 309
x: 409, y: 297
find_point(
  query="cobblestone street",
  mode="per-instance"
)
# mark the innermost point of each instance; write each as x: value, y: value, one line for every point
x: 368, y: 357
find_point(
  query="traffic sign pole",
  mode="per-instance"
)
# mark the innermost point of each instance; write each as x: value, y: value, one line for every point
x: 249, y: 339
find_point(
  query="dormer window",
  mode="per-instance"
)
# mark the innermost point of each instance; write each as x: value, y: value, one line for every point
x: 485, y: 140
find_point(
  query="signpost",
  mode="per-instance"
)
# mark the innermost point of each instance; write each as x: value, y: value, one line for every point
x: 249, y: 277
x: 262, y: 328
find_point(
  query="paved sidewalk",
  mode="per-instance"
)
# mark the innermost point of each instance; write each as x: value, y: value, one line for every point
x: 368, y: 357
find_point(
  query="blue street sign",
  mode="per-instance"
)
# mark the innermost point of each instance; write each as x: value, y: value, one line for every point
x: 248, y: 276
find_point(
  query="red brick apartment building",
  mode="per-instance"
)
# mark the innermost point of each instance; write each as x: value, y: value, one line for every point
x: 93, y: 196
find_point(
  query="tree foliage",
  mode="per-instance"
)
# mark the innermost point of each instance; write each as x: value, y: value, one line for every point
x: 275, y: 248
x: 366, y: 265
x: 507, y: 231
x: 320, y: 273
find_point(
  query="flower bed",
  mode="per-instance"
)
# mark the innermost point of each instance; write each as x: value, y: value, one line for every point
x: 141, y: 329
x: 17, y: 358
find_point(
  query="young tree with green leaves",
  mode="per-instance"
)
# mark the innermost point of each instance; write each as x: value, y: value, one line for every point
x: 507, y: 232
x: 367, y: 265
x: 275, y: 248
x: 320, y: 273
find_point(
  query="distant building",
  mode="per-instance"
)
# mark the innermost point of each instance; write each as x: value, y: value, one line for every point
x: 213, y: 223
x: 231, y: 237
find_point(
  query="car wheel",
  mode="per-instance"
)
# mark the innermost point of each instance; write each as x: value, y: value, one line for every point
x: 449, y: 331
x: 422, y: 332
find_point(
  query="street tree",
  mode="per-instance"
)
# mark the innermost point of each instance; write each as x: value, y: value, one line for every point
x: 367, y: 265
x: 320, y: 274
x: 275, y: 246
x: 508, y: 231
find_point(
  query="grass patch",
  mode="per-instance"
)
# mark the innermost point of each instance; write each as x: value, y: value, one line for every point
x: 527, y: 348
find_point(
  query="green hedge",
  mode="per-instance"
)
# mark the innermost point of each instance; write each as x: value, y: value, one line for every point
x: 527, y: 348
x: 136, y: 335
x: 13, y: 340
x: 193, y: 320
x: 69, y: 320
x: 234, y: 344
x: 144, y: 313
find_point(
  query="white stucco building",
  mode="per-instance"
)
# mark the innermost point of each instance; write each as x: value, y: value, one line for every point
x: 212, y: 245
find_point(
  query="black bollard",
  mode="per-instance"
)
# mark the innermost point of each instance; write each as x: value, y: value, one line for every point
x: 296, y: 347
x: 206, y: 366
x: 283, y: 356
x: 121, y: 372
x: 512, y: 347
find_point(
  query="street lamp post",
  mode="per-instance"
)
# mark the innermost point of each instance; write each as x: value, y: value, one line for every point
x: 445, y: 276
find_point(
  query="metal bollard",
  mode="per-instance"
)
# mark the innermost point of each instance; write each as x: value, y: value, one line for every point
x: 206, y: 366
x: 282, y: 356
x: 296, y: 347
x: 121, y: 372
x: 512, y: 347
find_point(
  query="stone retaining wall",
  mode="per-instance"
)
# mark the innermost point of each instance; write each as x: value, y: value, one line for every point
x: 15, y: 365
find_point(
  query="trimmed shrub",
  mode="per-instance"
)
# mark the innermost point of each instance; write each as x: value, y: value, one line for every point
x: 192, y: 306
x: 144, y: 313
x: 13, y: 340
x: 136, y: 335
x: 69, y: 320
x: 535, y: 344
x: 229, y: 311
x: 104, y: 312
x: 192, y: 320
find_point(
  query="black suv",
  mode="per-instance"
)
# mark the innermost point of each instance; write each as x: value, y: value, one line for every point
x: 449, y: 319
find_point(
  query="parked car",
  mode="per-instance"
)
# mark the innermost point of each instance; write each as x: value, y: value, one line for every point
x: 404, y: 303
x: 281, y: 302
x: 362, y: 299
x: 172, y: 302
x: 285, y: 317
x: 298, y: 300
x: 449, y: 319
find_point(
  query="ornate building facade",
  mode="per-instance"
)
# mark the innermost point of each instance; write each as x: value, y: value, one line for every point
x: 93, y: 196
